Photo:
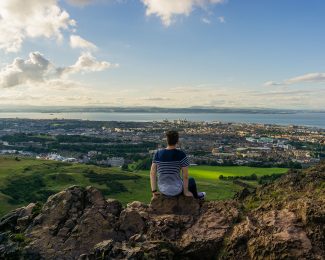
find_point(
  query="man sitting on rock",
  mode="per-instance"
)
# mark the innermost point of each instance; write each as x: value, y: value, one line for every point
x: 168, y: 163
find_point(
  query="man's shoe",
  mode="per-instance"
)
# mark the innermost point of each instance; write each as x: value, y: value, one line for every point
x: 201, y: 195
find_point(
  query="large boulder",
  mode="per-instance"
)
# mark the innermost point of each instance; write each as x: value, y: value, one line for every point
x: 204, y: 239
x: 133, y: 219
x: 179, y: 205
x: 17, y: 219
x: 72, y: 222
x: 275, y: 234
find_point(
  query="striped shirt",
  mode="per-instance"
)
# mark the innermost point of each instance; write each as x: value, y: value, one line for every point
x: 169, y: 163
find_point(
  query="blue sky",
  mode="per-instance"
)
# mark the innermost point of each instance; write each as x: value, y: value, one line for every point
x: 161, y: 53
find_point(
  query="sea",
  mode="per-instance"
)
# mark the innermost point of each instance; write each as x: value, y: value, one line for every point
x: 309, y: 119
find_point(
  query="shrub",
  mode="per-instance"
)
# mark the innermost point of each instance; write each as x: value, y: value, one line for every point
x: 26, y: 189
x: 111, y: 180
x: 20, y: 238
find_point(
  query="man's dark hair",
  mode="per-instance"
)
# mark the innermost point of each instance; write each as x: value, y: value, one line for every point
x: 172, y: 137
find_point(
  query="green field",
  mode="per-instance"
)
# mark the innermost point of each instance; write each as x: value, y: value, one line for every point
x: 29, y: 180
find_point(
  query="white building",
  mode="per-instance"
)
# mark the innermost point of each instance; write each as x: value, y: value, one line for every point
x: 116, y: 161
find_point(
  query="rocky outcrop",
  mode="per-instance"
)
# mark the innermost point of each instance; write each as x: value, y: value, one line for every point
x: 72, y: 222
x: 180, y: 205
x: 204, y: 239
x: 286, y: 219
x: 282, y: 220
x: 18, y: 219
x: 273, y: 235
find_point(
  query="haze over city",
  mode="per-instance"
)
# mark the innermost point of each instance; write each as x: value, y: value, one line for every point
x: 215, y: 53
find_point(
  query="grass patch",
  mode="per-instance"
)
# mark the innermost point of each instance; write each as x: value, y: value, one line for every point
x: 30, y: 180
x: 20, y: 238
x: 25, y: 189
x: 213, y: 172
x: 251, y: 204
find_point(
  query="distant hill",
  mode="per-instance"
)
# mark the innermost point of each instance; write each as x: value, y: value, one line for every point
x: 203, y: 109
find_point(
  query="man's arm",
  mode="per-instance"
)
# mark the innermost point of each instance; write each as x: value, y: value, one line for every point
x: 185, y: 182
x: 153, y: 177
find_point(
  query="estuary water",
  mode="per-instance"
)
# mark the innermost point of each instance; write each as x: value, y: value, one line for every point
x: 304, y: 119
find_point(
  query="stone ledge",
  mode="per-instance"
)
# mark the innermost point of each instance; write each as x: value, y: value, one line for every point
x: 179, y: 205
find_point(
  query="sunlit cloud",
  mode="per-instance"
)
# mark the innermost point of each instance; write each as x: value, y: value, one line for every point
x: 38, y: 69
x: 306, y: 78
x: 167, y: 10
x: 21, y: 19
x: 78, y: 42
x: 186, y: 96
x: 310, y: 77
x: 87, y: 63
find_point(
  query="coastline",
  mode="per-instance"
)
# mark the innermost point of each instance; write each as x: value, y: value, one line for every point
x: 305, y: 119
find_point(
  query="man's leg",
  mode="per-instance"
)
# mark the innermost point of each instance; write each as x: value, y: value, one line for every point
x: 192, y: 187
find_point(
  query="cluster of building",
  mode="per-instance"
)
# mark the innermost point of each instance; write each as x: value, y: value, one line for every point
x: 204, y: 142
x: 113, y: 161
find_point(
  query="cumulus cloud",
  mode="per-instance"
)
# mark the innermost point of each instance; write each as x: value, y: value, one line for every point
x: 306, y: 78
x: 78, y: 42
x: 87, y: 63
x: 21, y: 19
x: 166, y: 10
x: 34, y: 69
x: 38, y: 69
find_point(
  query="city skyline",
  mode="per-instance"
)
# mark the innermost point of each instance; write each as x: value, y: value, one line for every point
x: 162, y: 53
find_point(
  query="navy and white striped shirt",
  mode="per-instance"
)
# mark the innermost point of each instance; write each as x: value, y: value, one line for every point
x: 169, y: 163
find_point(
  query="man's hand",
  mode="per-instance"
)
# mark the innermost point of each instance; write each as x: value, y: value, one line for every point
x: 188, y: 194
x: 155, y: 194
x: 153, y: 179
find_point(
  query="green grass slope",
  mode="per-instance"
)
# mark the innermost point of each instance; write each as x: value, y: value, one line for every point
x: 30, y: 180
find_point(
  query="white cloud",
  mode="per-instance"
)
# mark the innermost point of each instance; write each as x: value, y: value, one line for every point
x: 166, y: 10
x: 206, y: 20
x: 87, y: 63
x: 306, y: 78
x: 271, y: 83
x: 310, y: 77
x: 21, y: 19
x: 37, y: 69
x: 222, y: 19
x: 77, y: 42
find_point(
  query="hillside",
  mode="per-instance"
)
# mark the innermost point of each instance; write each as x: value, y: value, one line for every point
x: 281, y: 220
x: 25, y: 180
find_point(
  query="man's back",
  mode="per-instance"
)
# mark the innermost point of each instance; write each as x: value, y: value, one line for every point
x: 169, y: 163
